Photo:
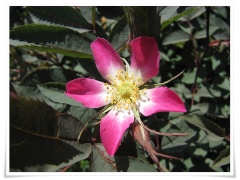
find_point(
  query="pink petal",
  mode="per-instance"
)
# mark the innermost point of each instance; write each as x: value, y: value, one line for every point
x: 112, y: 128
x: 89, y: 92
x: 145, y: 58
x: 160, y: 99
x: 107, y: 59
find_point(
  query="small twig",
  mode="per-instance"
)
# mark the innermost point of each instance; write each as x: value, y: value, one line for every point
x: 199, y: 63
x: 64, y: 169
x: 157, y: 142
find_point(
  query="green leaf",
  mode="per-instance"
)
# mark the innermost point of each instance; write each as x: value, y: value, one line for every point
x: 87, y: 12
x: 221, y: 10
x: 44, y: 75
x: 202, y: 33
x: 214, y: 131
x: 223, y: 158
x: 143, y: 21
x: 28, y: 85
x: 176, y: 144
x: 90, y: 66
x: 119, y: 34
x: 176, y: 37
x: 206, y: 91
x: 40, y: 137
x: 224, y: 32
x: 30, y: 153
x: 193, y: 14
x: 82, y: 113
x: 167, y: 12
x: 55, y: 92
x: 64, y: 16
x: 52, y: 39
x: 38, y: 118
x: 101, y: 161
x: 168, y: 20
x: 188, y: 77
x: 132, y: 164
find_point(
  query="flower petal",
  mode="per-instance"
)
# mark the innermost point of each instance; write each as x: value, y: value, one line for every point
x: 107, y: 59
x: 89, y: 92
x: 160, y: 99
x: 112, y: 128
x: 145, y: 58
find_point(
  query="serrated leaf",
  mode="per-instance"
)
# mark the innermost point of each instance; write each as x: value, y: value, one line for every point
x: 213, y: 129
x: 44, y: 75
x: 40, y: 137
x: 101, y: 161
x: 38, y: 118
x: 132, y: 164
x: 82, y: 113
x: 28, y: 86
x: 52, y: 39
x: 88, y: 13
x: 119, y: 34
x: 223, y: 158
x: 36, y: 154
x: 28, y: 91
x: 176, y: 37
x: 55, y: 92
x: 64, y: 16
x: 165, y: 22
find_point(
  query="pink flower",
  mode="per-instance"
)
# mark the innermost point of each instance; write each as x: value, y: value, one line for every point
x: 123, y: 88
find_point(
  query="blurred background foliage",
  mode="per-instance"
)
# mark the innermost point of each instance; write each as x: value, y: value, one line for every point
x: 50, y: 46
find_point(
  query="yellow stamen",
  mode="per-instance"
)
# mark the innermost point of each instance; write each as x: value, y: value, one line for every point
x: 123, y: 90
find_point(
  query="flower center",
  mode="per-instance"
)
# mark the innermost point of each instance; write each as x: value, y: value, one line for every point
x: 123, y: 91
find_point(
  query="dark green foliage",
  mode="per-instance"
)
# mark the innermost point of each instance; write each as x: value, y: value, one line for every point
x: 49, y: 46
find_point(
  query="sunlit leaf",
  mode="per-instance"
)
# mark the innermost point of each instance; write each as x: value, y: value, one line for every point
x: 214, y: 131
x: 193, y: 14
x: 55, y: 92
x: 202, y: 33
x: 224, y: 29
x: 167, y: 20
x: 52, y: 39
x: 223, y: 158
x: 176, y: 144
x: 167, y: 12
x: 176, y: 37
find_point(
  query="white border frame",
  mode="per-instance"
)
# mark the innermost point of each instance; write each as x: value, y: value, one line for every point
x: 234, y: 27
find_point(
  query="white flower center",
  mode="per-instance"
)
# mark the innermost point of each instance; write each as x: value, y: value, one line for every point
x: 124, y: 90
